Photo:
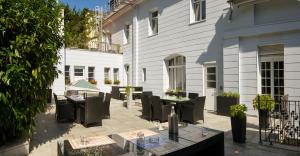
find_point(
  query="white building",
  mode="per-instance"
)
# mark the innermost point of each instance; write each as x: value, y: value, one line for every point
x: 96, y: 66
x: 206, y: 47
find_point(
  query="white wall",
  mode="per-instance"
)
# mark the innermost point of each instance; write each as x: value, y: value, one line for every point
x: 274, y: 22
x: 58, y: 85
x: 99, y: 60
x: 198, y: 42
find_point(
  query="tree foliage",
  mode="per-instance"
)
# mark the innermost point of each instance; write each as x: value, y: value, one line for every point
x: 78, y: 25
x: 29, y: 43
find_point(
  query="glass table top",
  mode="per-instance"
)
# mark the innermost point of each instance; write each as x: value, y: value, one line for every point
x: 158, y: 143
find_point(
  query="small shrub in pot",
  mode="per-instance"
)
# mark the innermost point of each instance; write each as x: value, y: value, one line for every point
x: 238, y: 122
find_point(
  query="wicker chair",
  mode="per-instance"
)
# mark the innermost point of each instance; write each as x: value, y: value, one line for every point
x: 64, y: 109
x: 146, y: 105
x: 72, y: 92
x: 182, y: 94
x: 194, y: 110
x: 101, y: 94
x: 106, y: 106
x: 193, y: 95
x: 160, y: 111
x: 90, y: 112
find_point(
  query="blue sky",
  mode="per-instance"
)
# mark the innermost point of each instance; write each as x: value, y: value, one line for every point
x: 80, y: 4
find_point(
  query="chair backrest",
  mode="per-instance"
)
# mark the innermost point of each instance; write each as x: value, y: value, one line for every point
x: 138, y: 89
x: 193, y: 95
x: 149, y: 93
x: 145, y: 99
x: 199, y: 102
x: 101, y: 94
x: 72, y: 92
x: 182, y: 94
x: 93, y: 103
x: 155, y: 102
x: 107, y: 99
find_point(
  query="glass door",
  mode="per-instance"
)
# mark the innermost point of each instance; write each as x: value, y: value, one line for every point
x: 272, y: 78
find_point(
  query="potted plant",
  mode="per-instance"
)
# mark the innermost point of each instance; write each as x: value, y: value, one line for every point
x: 93, y: 81
x: 264, y: 104
x: 67, y: 81
x: 238, y: 122
x: 117, y: 82
x: 107, y: 82
x: 225, y: 100
x: 128, y: 96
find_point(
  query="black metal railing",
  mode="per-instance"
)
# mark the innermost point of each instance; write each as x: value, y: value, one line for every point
x: 281, y: 124
x: 105, y: 47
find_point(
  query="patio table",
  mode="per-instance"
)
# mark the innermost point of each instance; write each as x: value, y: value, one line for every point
x: 176, y: 102
x: 76, y: 100
x: 190, y: 141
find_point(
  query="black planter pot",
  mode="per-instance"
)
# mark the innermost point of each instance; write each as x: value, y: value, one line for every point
x: 263, y: 118
x: 238, y: 129
x: 224, y: 103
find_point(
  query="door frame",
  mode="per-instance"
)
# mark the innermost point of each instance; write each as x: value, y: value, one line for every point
x: 205, y: 66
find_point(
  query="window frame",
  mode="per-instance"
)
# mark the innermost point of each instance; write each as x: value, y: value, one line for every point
x: 202, y: 11
x: 91, y: 72
x: 144, y: 76
x: 151, y: 18
x: 106, y: 74
x: 177, y: 71
x: 116, y: 78
x: 76, y: 72
x: 126, y: 34
x: 272, y: 60
x: 69, y: 67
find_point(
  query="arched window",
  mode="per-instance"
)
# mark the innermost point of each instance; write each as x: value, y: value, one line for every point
x: 176, y: 69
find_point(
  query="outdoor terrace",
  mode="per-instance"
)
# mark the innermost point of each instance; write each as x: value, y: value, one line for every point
x: 49, y: 131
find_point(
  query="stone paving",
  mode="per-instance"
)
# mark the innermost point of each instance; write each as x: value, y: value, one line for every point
x: 48, y: 132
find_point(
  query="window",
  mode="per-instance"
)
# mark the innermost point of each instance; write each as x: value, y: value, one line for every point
x: 78, y: 70
x: 126, y: 33
x: 67, y: 74
x: 153, y: 23
x: 116, y: 74
x: 67, y: 71
x: 106, y: 73
x: 272, y: 71
x: 176, y: 67
x: 211, y: 81
x: 91, y: 73
x: 144, y: 75
x: 198, y: 10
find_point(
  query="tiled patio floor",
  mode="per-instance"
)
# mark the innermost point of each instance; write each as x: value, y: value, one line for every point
x: 49, y: 131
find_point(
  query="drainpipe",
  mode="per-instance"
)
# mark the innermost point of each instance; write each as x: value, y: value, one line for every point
x: 230, y: 9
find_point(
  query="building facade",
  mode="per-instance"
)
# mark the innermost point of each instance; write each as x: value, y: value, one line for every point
x: 104, y: 69
x: 209, y: 46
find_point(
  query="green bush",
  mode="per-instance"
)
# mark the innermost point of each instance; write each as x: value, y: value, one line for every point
x: 117, y: 82
x: 107, y: 82
x: 29, y: 42
x: 238, y: 111
x: 266, y: 102
x: 127, y: 90
x: 230, y: 94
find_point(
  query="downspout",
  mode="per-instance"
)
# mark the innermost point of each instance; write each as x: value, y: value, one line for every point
x: 230, y: 9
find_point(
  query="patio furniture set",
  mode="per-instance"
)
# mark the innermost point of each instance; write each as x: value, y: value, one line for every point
x: 191, y: 140
x: 88, y: 108
x: 118, y: 92
x: 189, y: 109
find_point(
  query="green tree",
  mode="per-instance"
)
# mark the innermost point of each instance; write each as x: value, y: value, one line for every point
x: 78, y: 25
x: 29, y: 43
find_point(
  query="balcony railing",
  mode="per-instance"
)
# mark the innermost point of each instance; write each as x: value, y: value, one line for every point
x: 105, y: 47
x: 116, y: 5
